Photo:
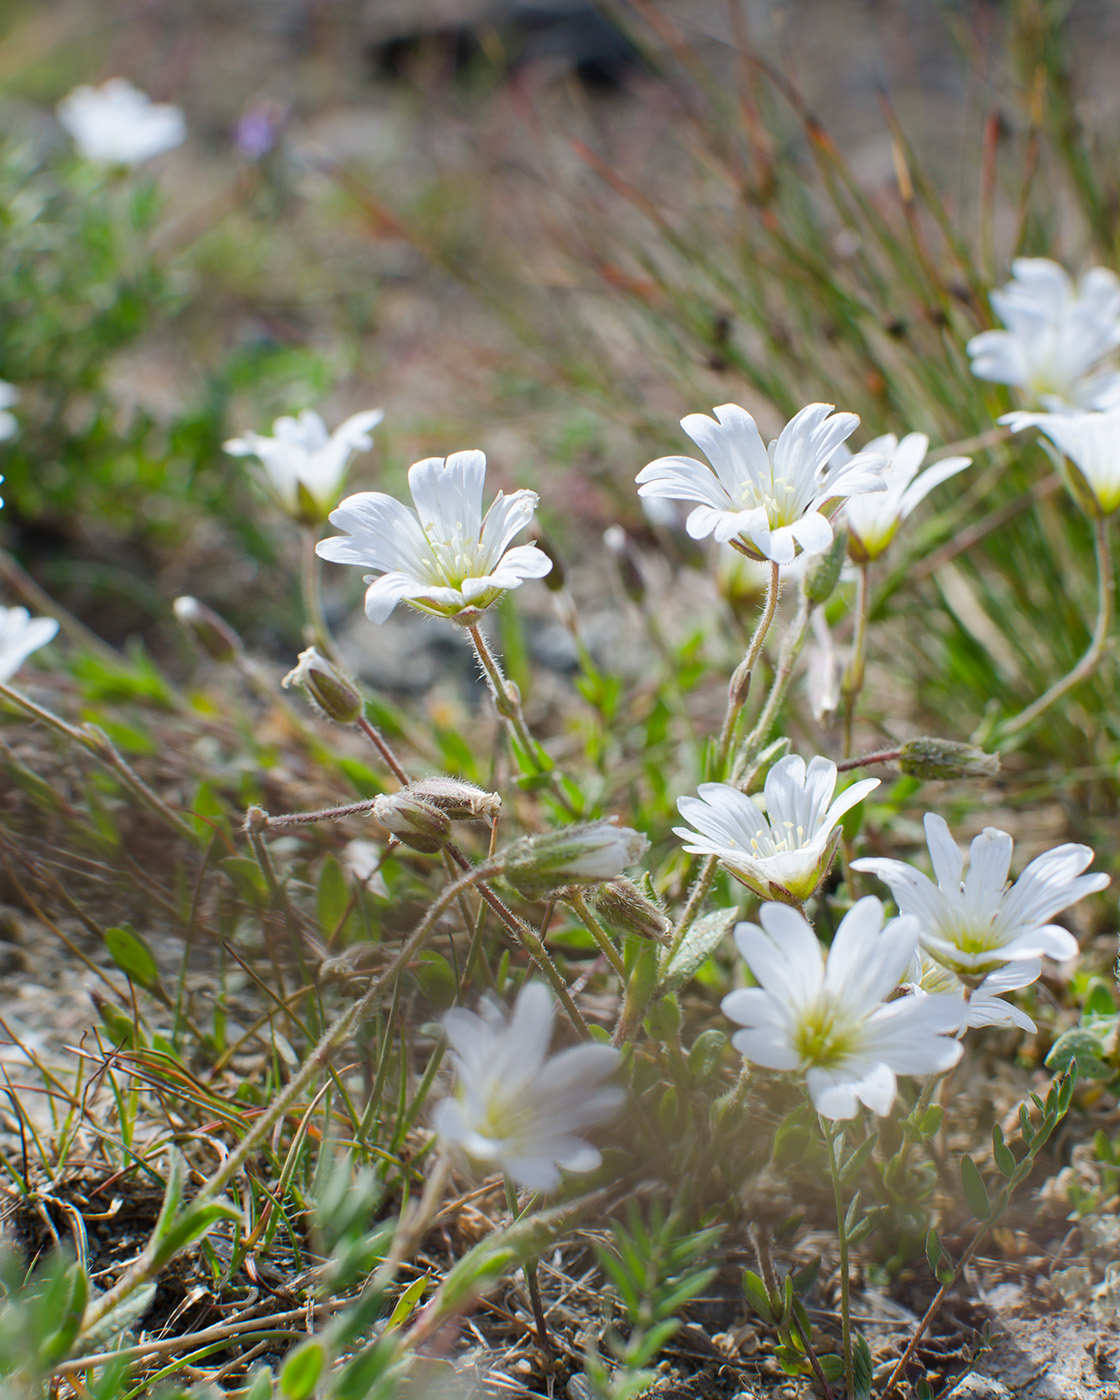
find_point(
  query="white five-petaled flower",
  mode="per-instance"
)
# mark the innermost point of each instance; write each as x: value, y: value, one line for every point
x: 305, y: 466
x: 516, y: 1107
x: 770, y: 500
x: 444, y: 557
x: 786, y: 852
x: 1091, y: 442
x: 20, y: 635
x: 874, y: 517
x: 829, y: 1018
x: 986, y: 1005
x: 117, y: 124
x: 1059, y: 338
x: 9, y: 423
x: 975, y: 924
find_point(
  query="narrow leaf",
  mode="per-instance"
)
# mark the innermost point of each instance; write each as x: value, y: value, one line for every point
x: 975, y: 1192
x: 757, y: 1295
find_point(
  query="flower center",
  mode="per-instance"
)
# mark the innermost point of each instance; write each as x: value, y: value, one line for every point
x: 824, y: 1036
x: 778, y: 840
x: 455, y: 559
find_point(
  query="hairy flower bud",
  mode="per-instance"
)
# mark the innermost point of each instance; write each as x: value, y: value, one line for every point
x: 945, y: 758
x: 623, y: 907
x: 537, y: 866
x: 413, y: 822
x: 822, y: 572
x: 326, y: 687
x: 207, y: 630
x: 461, y: 801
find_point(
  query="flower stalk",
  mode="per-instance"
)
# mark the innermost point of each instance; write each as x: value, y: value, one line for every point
x: 741, y: 680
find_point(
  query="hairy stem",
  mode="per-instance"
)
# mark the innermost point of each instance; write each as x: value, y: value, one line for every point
x: 845, y: 1281
x: 853, y: 676
x: 740, y: 684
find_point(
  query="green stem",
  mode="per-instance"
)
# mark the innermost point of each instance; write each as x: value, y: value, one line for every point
x: 1106, y: 590
x: 96, y: 742
x: 598, y: 932
x: 313, y: 599
x: 792, y: 643
x: 845, y: 1282
x: 507, y: 701
x: 530, y: 1268
x: 376, y: 738
x: 740, y: 684
x: 853, y: 676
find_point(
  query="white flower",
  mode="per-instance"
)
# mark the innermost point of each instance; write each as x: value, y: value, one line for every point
x: 985, y: 1006
x: 443, y: 557
x: 771, y: 500
x: 117, y: 124
x: 873, y: 518
x: 9, y: 423
x: 976, y: 924
x: 1091, y: 441
x: 785, y: 853
x: 1059, y: 338
x: 828, y: 1018
x: 20, y: 635
x: 305, y: 466
x: 516, y: 1107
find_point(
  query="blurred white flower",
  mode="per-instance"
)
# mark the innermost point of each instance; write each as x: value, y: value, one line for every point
x: 117, y: 124
x: 771, y: 500
x: 20, y: 635
x: 986, y: 1006
x: 824, y: 668
x: 516, y: 1107
x: 1059, y: 338
x: 786, y: 852
x: 829, y: 1018
x: 874, y: 517
x: 305, y: 466
x: 362, y: 861
x: 974, y: 925
x: 9, y: 423
x: 1091, y: 441
x: 443, y: 557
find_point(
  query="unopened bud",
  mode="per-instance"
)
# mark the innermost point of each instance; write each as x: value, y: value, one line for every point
x: 822, y: 571
x: 461, y: 801
x: 946, y: 758
x: 415, y: 823
x: 623, y: 907
x: 538, y: 866
x: 326, y: 687
x: 625, y: 559
x: 207, y: 630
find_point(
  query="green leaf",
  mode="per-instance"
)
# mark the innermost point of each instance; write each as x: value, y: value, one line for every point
x: 933, y: 1249
x: 975, y: 1192
x: 133, y: 956
x: 930, y: 1121
x: 193, y: 1224
x: 705, y: 1053
x: 852, y: 1214
x: 301, y: 1370
x: 260, y: 1385
x: 832, y: 1366
x: 790, y: 1360
x: 1004, y: 1157
x: 1084, y: 1046
x: 863, y: 1368
x: 1026, y: 1127
x: 757, y: 1295
x: 407, y: 1302
x: 859, y: 1159
x: 698, y: 944
x: 1099, y: 1002
x: 64, y: 1303
x: 806, y: 1276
